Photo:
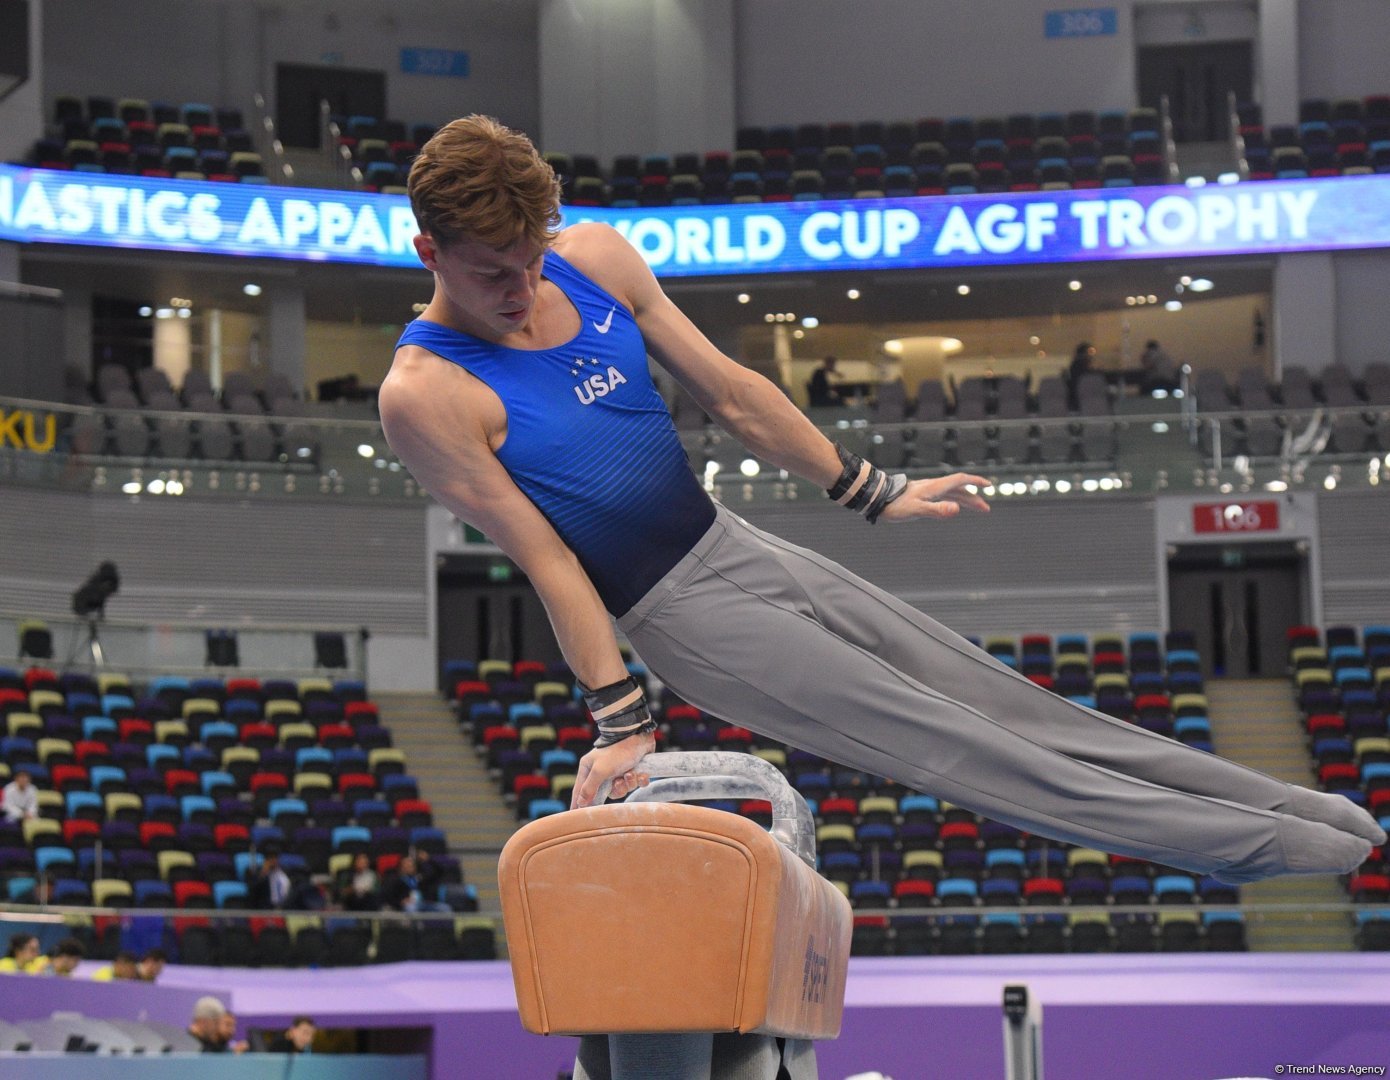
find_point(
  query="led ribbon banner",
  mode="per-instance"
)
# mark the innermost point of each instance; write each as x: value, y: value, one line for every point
x: 43, y: 206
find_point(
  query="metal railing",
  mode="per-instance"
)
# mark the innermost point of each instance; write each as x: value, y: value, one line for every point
x: 310, y: 454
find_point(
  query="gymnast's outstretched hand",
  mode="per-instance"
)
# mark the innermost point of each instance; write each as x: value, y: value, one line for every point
x: 612, y: 763
x: 939, y: 497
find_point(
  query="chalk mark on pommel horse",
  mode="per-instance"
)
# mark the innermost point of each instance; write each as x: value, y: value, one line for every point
x: 681, y: 942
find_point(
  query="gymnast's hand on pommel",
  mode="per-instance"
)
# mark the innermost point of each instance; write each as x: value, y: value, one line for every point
x: 613, y: 762
x: 939, y: 497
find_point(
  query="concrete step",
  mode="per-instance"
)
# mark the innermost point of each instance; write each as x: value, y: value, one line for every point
x: 1256, y: 722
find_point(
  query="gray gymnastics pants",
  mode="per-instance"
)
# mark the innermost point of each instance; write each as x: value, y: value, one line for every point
x: 787, y: 643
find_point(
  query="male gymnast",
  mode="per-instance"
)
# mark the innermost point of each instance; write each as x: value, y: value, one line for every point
x: 521, y: 399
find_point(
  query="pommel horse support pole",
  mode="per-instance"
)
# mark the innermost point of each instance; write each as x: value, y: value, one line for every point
x: 684, y: 943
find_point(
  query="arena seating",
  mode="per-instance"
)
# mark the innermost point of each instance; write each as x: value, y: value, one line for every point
x: 262, y: 424
x: 1060, y: 432
x: 142, y: 138
x: 956, y: 156
x: 382, y: 149
x: 1361, y: 425
x: 1342, y: 679
x: 952, y: 882
x: 1348, y: 137
x: 169, y: 795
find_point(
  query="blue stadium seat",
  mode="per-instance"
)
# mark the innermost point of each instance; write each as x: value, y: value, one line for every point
x: 230, y: 894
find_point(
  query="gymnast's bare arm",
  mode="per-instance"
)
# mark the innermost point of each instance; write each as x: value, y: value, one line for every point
x: 741, y: 401
x: 444, y: 425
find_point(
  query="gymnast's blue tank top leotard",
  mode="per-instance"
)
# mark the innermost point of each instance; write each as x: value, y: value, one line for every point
x: 589, y: 439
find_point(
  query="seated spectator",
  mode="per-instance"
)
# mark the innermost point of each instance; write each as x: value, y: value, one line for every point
x: 66, y: 957
x: 1157, y: 370
x: 361, y: 886
x: 207, y: 1025
x: 20, y: 799
x: 152, y: 965
x: 226, y: 1031
x: 821, y: 389
x: 402, y: 890
x: 1082, y: 361
x: 298, y: 1038
x: 271, y: 889
x: 123, y: 967
x: 23, y: 956
x: 431, y: 874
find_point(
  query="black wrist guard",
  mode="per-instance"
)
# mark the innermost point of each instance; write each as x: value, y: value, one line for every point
x: 619, y: 709
x: 864, y: 488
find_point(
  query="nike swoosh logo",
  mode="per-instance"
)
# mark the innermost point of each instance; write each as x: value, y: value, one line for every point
x: 603, y: 327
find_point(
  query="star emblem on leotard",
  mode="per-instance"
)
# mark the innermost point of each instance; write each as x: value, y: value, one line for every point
x: 580, y: 361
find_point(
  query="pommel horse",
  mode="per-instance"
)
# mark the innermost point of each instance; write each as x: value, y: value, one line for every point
x: 682, y: 943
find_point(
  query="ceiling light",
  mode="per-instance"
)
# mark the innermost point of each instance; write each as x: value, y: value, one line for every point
x: 1173, y: 305
x: 1277, y: 485
x: 1228, y: 178
x: 173, y: 487
x: 749, y: 467
x: 1090, y: 484
x: 1063, y: 486
x: 179, y: 301
x: 1185, y: 280
x: 419, y: 307
x: 1130, y: 301
x: 1225, y: 488
x: 853, y: 294
x: 164, y: 313
x: 184, y: 313
x: 1035, y: 340
x: 1152, y: 298
x: 365, y: 450
x: 1330, y: 483
x: 1074, y: 285
x: 769, y: 317
x: 743, y: 298
x: 894, y: 347
x: 1201, y: 284
x: 798, y: 334
x: 146, y: 311
x: 132, y: 487
x: 810, y: 322
x: 155, y: 486
x: 712, y: 468
x: 963, y: 289
x: 1160, y: 427
x: 1196, y: 181
x: 989, y: 490
x: 251, y: 289
x: 1041, y: 484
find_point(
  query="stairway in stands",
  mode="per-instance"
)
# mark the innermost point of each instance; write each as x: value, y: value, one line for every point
x: 1257, y: 723
x: 455, y: 780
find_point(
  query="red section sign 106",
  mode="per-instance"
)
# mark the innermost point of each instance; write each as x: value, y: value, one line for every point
x: 1236, y: 517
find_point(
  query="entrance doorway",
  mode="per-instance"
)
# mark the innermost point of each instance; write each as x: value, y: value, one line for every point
x: 1238, y: 599
x: 1197, y: 80
x: 300, y: 87
x: 487, y: 610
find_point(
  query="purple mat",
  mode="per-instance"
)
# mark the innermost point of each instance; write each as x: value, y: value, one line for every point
x: 1194, y: 1017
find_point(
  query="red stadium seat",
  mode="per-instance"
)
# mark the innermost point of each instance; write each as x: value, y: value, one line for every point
x: 78, y: 833
x: 231, y: 837
x: 152, y: 832
x: 69, y: 778
x: 192, y: 894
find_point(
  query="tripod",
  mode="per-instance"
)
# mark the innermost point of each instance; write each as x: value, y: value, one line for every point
x: 92, y: 644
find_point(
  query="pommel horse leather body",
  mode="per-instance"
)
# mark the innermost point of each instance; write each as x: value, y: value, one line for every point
x: 659, y: 917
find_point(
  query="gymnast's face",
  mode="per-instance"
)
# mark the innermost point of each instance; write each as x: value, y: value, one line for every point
x: 487, y: 292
